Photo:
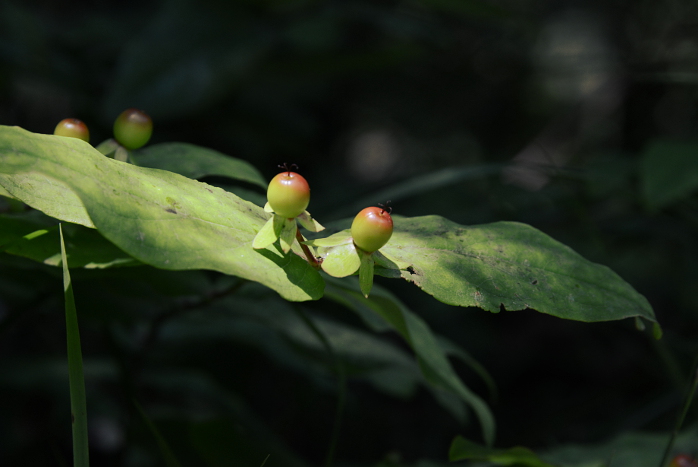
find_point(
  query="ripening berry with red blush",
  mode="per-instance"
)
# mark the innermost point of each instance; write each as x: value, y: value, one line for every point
x: 288, y: 194
x: 73, y: 128
x: 372, y: 228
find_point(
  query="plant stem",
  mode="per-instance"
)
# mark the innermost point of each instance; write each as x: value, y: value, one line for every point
x: 308, y: 254
x: 687, y: 404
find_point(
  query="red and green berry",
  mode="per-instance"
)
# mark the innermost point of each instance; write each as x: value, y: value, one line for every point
x: 73, y: 128
x: 288, y: 194
x: 372, y: 228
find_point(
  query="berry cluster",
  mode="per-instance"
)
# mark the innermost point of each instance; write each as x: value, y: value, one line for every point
x: 288, y: 196
x: 341, y: 254
x: 132, y: 130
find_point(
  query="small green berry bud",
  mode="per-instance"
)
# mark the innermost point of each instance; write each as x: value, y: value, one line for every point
x: 133, y: 128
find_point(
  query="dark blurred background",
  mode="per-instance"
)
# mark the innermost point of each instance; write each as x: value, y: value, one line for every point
x: 577, y: 117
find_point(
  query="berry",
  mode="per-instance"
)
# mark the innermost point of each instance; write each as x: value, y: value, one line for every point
x: 288, y: 194
x: 682, y: 460
x: 74, y: 128
x: 132, y: 129
x: 372, y: 228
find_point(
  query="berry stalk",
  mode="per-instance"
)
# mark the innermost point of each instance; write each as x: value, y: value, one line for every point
x: 308, y: 254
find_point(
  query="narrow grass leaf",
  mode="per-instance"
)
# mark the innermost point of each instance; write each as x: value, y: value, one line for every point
x: 78, y: 404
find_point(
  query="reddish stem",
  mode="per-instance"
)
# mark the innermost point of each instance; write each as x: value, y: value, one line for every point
x: 308, y: 254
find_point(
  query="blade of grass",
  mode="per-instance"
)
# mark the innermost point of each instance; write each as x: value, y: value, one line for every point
x: 78, y: 404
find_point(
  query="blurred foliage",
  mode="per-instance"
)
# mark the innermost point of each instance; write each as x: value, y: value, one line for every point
x: 575, y: 117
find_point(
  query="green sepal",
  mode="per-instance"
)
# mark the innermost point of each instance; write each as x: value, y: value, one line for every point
x: 266, y: 235
x: 267, y: 208
x: 122, y: 154
x: 366, y: 273
x: 288, y: 233
x: 309, y: 223
x: 108, y: 147
x: 341, y: 260
x: 340, y: 238
x: 279, y: 222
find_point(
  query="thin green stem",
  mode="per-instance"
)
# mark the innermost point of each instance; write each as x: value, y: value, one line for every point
x: 341, y: 383
x: 684, y: 411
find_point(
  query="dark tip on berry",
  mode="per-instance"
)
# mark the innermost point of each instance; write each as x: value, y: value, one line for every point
x: 286, y: 167
x: 386, y: 207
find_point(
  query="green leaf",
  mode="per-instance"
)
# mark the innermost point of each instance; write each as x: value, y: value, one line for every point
x: 366, y: 273
x: 78, y: 404
x: 512, y: 266
x: 383, y: 311
x: 195, y: 162
x: 48, y: 195
x: 668, y: 172
x: 340, y: 261
x: 462, y: 449
x: 158, y: 217
x: 5, y: 193
x: 387, y: 265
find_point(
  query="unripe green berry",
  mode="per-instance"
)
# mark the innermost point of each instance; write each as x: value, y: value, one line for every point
x: 288, y: 194
x: 372, y: 228
x: 132, y: 128
x: 74, y: 128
